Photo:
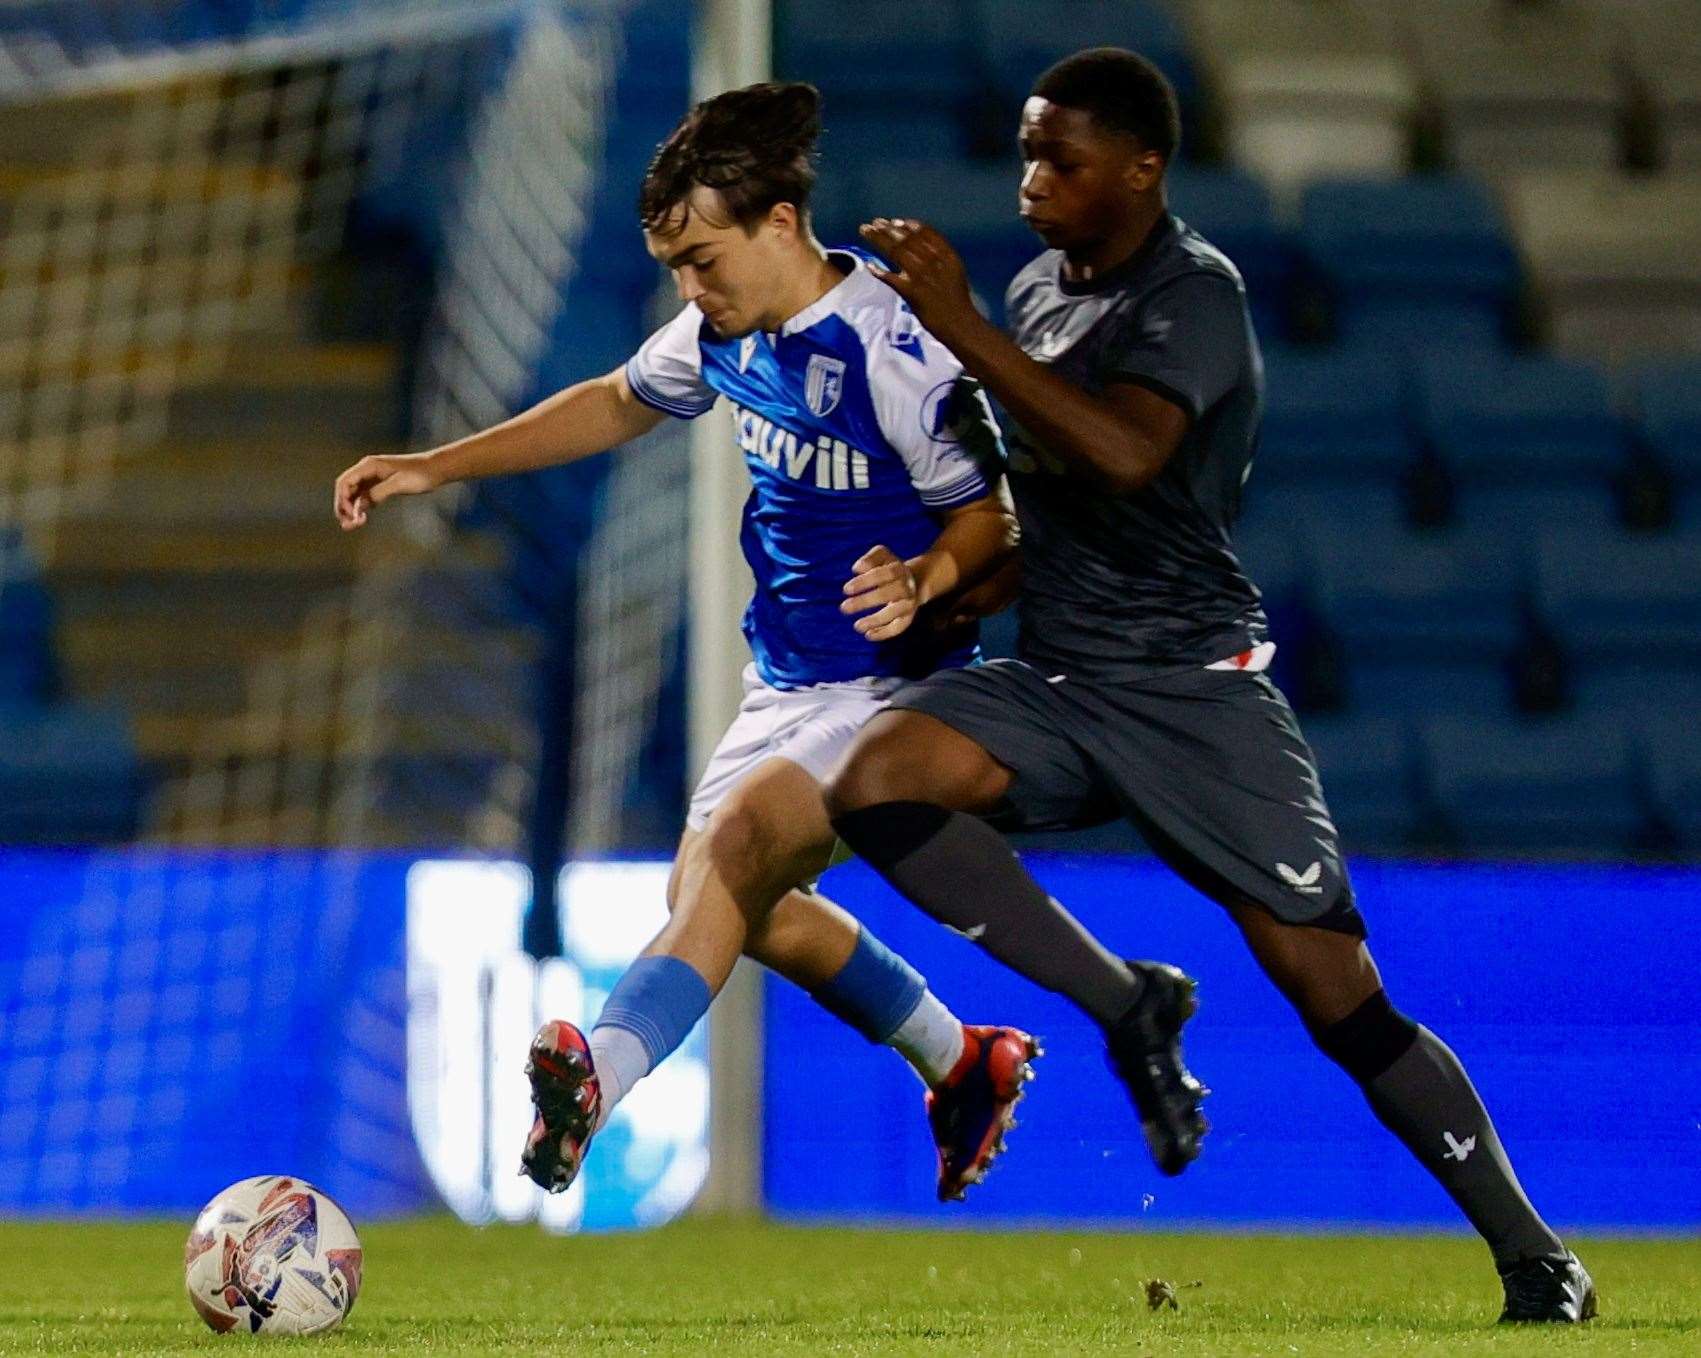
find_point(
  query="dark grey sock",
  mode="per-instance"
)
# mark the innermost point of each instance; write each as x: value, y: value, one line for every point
x: 963, y: 873
x: 1419, y: 1091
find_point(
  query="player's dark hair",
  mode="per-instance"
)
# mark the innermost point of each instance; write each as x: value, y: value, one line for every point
x: 1122, y: 91
x: 753, y: 146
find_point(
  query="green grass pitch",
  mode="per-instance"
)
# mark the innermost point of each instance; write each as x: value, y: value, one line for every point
x: 706, y: 1287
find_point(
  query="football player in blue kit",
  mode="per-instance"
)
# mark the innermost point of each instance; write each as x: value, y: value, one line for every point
x: 877, y: 504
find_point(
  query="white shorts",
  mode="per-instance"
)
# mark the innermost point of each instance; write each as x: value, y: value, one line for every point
x: 812, y: 727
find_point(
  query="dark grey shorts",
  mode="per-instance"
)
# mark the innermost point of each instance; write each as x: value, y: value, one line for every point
x: 1208, y: 765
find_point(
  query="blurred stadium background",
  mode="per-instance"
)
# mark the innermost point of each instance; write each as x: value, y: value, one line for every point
x: 302, y: 830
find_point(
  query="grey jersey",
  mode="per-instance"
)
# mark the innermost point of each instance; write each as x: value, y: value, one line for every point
x: 1116, y: 587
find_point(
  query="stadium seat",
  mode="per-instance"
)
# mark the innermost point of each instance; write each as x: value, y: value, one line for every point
x: 1637, y: 688
x: 1526, y: 440
x: 27, y: 667
x: 853, y: 140
x: 1454, y: 595
x: 1660, y: 46
x: 1233, y: 211
x: 1432, y: 247
x: 1369, y: 773
x: 1334, y: 417
x: 1409, y: 327
x: 1278, y: 527
x: 1618, y: 601
x: 1270, y: 553
x: 836, y: 206
x: 1668, y: 403
x: 1427, y: 686
x: 67, y: 776
x: 1517, y: 86
x: 877, y: 55
x: 1017, y: 48
x: 1670, y: 754
x: 1614, y: 261
x: 974, y: 205
x: 1560, y: 786
x: 1423, y: 622
x: 1305, y: 87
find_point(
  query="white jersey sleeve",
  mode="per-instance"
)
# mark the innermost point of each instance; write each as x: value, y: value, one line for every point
x: 933, y: 416
x: 667, y: 370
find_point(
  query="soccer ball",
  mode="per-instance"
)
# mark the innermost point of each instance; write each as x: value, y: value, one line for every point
x: 272, y: 1255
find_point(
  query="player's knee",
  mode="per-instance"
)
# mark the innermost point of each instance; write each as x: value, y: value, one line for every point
x: 755, y: 856
x: 886, y: 765
x: 737, y: 840
x: 874, y: 773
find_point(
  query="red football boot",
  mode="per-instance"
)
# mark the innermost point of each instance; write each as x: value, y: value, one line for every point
x: 569, y: 1101
x: 971, y: 1109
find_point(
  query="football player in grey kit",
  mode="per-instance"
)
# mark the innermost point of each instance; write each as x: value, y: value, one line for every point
x: 1134, y: 388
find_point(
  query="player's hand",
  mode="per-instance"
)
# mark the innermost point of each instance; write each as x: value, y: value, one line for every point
x: 373, y: 480
x: 930, y: 275
x: 881, y: 581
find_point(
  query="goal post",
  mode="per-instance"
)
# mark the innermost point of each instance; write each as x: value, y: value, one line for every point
x: 732, y: 45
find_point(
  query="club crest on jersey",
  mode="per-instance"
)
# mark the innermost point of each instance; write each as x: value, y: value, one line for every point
x: 824, y: 383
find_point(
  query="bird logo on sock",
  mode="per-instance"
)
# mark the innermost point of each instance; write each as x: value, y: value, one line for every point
x: 1458, y: 1150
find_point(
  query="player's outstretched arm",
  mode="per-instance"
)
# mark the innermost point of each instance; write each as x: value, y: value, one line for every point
x: 586, y: 418
x: 977, y: 542
x: 1119, y: 440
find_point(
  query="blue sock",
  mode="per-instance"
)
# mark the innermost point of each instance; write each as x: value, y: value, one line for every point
x: 659, y: 1001
x: 875, y: 991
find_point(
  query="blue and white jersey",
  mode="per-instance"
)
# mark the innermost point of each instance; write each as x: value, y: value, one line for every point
x: 859, y: 429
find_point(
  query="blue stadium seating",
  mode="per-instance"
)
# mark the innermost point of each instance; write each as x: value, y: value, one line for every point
x: 1669, y: 404
x: 1423, y: 622
x: 1530, y: 442
x: 1421, y: 279
x: 1410, y: 328
x: 1233, y: 211
x: 1626, y: 612
x: 1450, y: 595
x: 1334, y: 416
x: 877, y: 55
x: 67, y: 776
x: 1635, y: 687
x: 1369, y: 773
x: 1431, y: 248
x: 854, y: 139
x: 1561, y: 786
x: 1368, y: 515
x: 1270, y: 553
x: 975, y: 205
x: 1621, y: 600
x: 1019, y: 43
x: 28, y: 672
x: 1672, y: 757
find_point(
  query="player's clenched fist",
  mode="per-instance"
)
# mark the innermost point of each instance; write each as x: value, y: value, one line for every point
x: 373, y: 480
x: 882, y: 581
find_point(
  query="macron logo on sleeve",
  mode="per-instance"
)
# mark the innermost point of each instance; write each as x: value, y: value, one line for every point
x: 905, y: 334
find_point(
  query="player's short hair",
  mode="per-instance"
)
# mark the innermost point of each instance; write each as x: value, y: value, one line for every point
x: 754, y: 146
x: 1122, y: 91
